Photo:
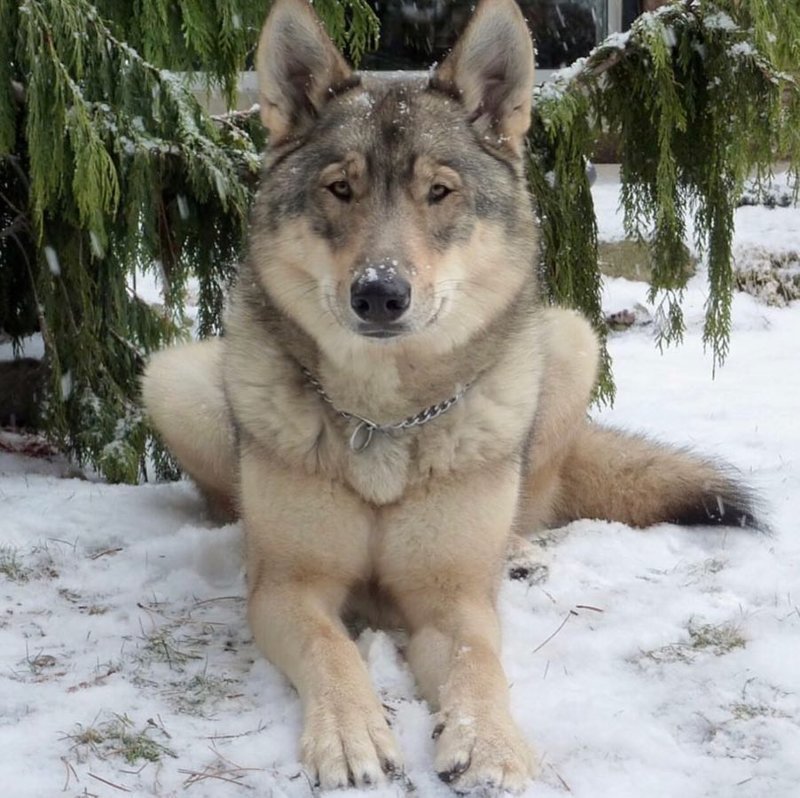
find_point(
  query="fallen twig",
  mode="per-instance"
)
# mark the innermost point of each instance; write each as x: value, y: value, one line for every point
x: 110, y: 783
x: 560, y: 627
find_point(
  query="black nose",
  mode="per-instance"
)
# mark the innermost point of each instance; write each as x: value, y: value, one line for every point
x: 380, y: 295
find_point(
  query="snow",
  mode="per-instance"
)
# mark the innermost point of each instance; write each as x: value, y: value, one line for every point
x: 658, y: 663
x: 183, y: 207
x: 32, y: 346
x: 53, y: 263
x: 618, y: 40
x: 383, y: 271
x: 98, y: 250
x: 720, y: 21
x: 757, y: 226
x: 369, y: 275
x: 66, y: 384
x: 744, y: 49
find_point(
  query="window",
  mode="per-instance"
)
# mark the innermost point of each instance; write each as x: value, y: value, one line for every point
x: 418, y: 33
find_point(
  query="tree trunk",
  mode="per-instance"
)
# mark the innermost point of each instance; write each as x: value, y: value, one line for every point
x: 20, y: 389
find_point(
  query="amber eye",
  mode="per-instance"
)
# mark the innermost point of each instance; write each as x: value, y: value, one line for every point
x: 341, y: 190
x: 438, y: 192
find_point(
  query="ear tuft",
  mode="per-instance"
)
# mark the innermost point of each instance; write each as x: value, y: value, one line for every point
x: 491, y: 70
x: 297, y: 67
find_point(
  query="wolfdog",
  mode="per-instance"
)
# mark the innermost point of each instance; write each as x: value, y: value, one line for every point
x: 391, y: 405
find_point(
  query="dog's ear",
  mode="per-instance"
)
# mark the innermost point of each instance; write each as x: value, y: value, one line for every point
x: 297, y: 66
x: 491, y: 70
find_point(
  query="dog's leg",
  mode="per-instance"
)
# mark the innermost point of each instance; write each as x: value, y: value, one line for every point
x: 571, y: 360
x: 441, y: 559
x: 307, y: 543
x: 525, y: 561
x: 183, y: 393
x: 455, y: 658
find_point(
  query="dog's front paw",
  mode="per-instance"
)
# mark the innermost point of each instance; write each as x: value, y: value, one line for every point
x: 524, y: 562
x: 487, y: 753
x: 348, y: 743
x: 533, y: 573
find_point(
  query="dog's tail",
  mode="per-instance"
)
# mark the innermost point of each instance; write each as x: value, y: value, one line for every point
x: 620, y: 477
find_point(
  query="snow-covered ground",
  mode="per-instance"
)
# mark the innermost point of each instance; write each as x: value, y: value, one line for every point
x: 657, y: 663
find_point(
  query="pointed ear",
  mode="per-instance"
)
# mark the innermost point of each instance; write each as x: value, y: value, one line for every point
x: 491, y: 70
x: 297, y: 65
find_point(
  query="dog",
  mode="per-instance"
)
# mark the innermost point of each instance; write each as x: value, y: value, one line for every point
x: 391, y: 405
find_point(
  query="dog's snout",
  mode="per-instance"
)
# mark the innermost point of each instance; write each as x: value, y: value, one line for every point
x: 379, y: 295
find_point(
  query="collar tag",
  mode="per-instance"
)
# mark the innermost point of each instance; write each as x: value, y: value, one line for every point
x: 362, y: 436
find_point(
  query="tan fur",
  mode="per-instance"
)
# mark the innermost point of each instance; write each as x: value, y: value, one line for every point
x: 432, y: 530
x: 190, y: 377
x: 650, y: 481
x: 416, y: 527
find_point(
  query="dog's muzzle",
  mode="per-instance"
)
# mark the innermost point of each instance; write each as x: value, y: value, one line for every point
x: 380, y: 297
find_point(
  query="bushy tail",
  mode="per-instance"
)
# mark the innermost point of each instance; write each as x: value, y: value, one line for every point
x: 628, y: 478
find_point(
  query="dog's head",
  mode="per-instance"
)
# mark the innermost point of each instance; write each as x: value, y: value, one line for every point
x: 394, y: 210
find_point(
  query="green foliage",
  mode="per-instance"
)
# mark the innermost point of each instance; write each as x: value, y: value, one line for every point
x: 696, y: 94
x: 118, y: 736
x: 114, y: 171
x: 217, y: 39
x: 558, y: 180
x: 7, y: 100
x: 352, y: 24
x: 110, y: 170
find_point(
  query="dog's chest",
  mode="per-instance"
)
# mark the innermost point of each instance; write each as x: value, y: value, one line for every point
x: 478, y: 431
x: 379, y: 473
x: 489, y: 423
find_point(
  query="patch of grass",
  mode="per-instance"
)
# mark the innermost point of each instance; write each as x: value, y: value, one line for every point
x: 40, y: 663
x: 708, y: 567
x: 90, y: 736
x: 720, y: 639
x: 77, y: 599
x: 632, y: 260
x: 44, y: 564
x: 717, y: 639
x: 203, y: 689
x: 161, y: 646
x: 118, y: 737
x: 744, y: 711
x: 38, y: 667
x: 675, y: 652
x: 10, y: 566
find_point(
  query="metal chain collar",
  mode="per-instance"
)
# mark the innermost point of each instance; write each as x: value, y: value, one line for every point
x: 361, y: 437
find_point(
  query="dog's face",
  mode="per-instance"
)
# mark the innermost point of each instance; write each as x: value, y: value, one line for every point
x: 394, y: 210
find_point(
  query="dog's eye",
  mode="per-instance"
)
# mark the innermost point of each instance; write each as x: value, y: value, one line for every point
x: 341, y: 190
x: 438, y: 192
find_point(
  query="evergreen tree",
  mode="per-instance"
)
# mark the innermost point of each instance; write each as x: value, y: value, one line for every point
x: 701, y: 94
x: 110, y: 168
